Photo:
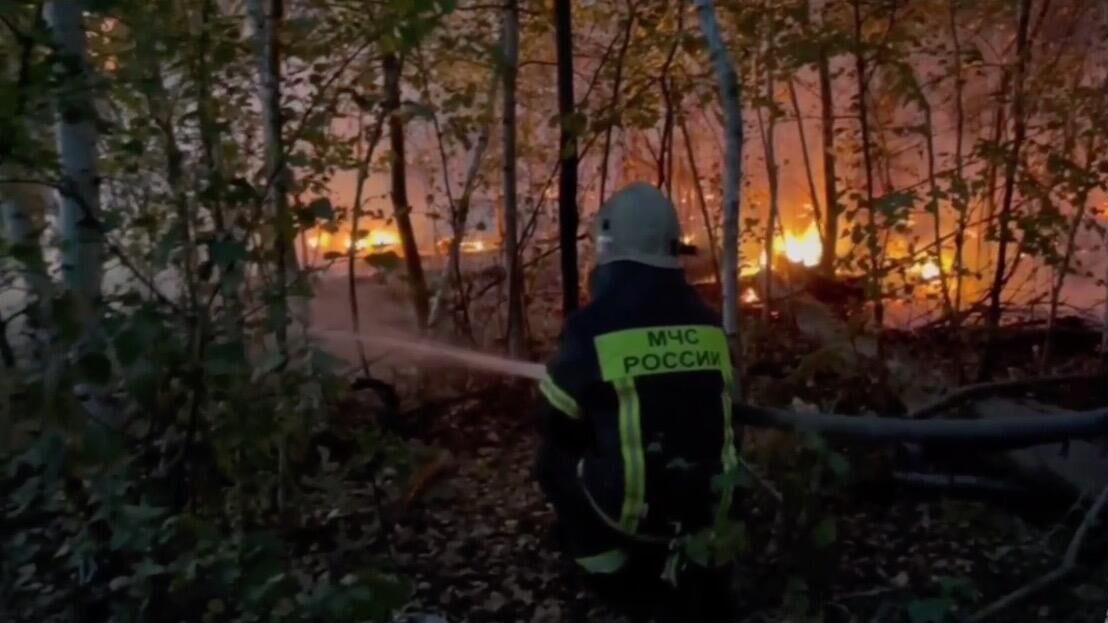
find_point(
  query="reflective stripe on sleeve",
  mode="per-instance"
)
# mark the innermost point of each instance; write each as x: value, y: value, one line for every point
x: 558, y: 397
x: 729, y: 457
x: 606, y: 563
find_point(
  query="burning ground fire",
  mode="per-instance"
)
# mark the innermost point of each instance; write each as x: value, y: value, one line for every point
x: 802, y: 248
x: 376, y: 239
x: 379, y: 240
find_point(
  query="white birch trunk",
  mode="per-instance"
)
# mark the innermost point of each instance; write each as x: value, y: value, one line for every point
x: 266, y: 29
x: 461, y: 214
x: 732, y: 111
x: 79, y: 213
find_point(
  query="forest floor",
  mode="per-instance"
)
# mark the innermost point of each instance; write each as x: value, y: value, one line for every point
x: 478, y: 546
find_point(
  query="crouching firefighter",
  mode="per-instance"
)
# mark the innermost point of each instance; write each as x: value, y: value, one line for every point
x: 636, y: 409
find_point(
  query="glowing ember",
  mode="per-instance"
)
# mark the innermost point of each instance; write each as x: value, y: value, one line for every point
x: 750, y: 297
x: 322, y: 240
x: 804, y: 248
x: 928, y: 270
x: 473, y: 246
x: 687, y: 239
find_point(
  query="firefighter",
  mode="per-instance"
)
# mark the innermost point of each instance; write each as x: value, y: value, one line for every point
x: 636, y: 404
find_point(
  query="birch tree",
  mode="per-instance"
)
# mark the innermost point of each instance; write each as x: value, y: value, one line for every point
x: 729, y: 95
x: 275, y: 192
x: 460, y: 211
x: 767, y: 127
x: 76, y: 134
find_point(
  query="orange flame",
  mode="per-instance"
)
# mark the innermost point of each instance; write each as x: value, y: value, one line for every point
x: 804, y: 248
x: 377, y: 239
x: 928, y: 270
x: 750, y: 297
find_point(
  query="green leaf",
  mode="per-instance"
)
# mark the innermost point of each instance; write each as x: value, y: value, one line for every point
x: 323, y: 361
x: 838, y: 464
x: 272, y: 363
x: 227, y: 252
x: 825, y: 533
x: 958, y: 587
x: 129, y: 346
x: 322, y: 209
x: 141, y: 513
x: 95, y: 368
x: 225, y: 358
x: 929, y: 610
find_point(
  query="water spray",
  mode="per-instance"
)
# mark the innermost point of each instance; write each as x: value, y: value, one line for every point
x: 422, y: 348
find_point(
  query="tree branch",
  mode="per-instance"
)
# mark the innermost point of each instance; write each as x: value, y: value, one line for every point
x: 1068, y: 566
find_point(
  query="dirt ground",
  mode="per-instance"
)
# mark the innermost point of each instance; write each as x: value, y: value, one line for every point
x: 479, y: 546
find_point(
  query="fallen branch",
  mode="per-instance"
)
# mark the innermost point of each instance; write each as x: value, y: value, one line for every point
x: 1068, y: 566
x: 765, y: 484
x: 999, y: 433
x: 969, y: 392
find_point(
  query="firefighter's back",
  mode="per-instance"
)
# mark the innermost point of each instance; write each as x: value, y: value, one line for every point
x: 660, y: 405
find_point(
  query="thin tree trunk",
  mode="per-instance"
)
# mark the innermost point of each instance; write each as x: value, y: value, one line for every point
x: 206, y: 116
x: 161, y: 114
x: 617, y: 83
x: 212, y: 189
x: 769, y: 131
x: 960, y: 194
x: 933, y: 204
x: 999, y: 125
x: 402, y: 209
x: 511, y: 211
x: 82, y: 252
x: 665, y: 146
x: 17, y: 205
x: 614, y: 105
x: 567, y: 183
x: 1011, y: 169
x: 372, y: 140
x: 461, y: 212
x: 830, y: 182
x: 817, y: 211
x: 1067, y: 258
x: 267, y: 29
x: 729, y: 95
x: 1104, y: 327
x: 22, y: 235
x: 867, y: 161
x: 699, y: 187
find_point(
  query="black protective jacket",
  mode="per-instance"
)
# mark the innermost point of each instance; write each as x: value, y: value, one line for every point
x: 639, y: 394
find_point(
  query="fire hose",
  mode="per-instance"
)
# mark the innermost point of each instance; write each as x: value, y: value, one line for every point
x: 993, y: 433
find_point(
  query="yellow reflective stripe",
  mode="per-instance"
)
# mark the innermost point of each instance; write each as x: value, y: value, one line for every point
x: 729, y: 457
x: 634, y: 460
x: 662, y: 350
x: 608, y: 562
x: 559, y: 398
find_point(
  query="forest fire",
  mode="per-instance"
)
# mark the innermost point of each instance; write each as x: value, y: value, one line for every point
x: 378, y: 240
x: 805, y: 248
